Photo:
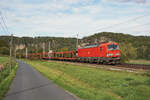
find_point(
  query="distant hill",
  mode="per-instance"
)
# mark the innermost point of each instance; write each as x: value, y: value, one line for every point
x: 120, y: 38
x: 55, y: 42
x: 131, y: 46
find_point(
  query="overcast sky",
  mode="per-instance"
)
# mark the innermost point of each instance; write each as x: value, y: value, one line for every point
x: 66, y: 18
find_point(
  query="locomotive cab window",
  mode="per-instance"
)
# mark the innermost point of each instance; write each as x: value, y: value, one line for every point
x: 113, y: 47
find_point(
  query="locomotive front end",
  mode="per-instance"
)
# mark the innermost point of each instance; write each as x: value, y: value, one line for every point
x: 113, y: 53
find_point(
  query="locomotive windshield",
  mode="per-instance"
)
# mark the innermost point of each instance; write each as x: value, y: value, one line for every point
x: 113, y: 47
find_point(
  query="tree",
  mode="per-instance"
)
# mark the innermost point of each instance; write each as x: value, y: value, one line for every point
x: 127, y: 52
x: 3, y: 43
x: 147, y: 53
x: 4, y: 50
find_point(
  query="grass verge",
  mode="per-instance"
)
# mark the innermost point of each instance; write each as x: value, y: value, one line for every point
x: 95, y: 84
x: 6, y: 77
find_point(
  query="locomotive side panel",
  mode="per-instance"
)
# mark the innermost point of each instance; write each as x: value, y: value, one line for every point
x: 89, y: 52
x: 103, y: 51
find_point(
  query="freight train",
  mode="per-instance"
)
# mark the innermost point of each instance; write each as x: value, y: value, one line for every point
x: 104, y: 53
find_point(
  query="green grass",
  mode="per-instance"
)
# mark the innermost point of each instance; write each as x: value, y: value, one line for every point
x: 5, y: 76
x: 141, y: 61
x: 95, y: 84
x: 4, y: 60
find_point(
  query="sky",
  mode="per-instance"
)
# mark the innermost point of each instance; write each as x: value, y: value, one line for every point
x: 67, y: 18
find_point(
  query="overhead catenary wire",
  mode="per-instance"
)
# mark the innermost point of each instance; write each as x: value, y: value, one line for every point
x: 124, y: 22
x: 4, y: 23
x: 138, y: 32
x: 119, y: 24
x: 3, y: 28
x: 135, y: 26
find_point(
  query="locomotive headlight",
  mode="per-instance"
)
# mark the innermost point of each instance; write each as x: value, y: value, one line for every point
x: 117, y: 54
x: 109, y: 54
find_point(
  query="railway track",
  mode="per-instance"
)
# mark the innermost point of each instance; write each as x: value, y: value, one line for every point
x: 135, y: 66
x: 130, y: 66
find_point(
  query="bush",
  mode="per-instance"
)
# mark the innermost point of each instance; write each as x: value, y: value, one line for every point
x: 4, y: 73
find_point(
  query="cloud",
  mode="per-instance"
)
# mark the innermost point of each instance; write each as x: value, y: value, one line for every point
x: 126, y: 1
x: 67, y: 17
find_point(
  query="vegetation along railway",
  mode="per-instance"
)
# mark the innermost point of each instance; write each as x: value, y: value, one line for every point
x: 103, y: 53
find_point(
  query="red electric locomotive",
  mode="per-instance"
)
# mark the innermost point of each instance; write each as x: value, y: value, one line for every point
x: 108, y: 52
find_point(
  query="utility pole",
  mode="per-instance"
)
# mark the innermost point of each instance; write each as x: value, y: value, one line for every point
x: 11, y: 47
x: 26, y: 53
x: 49, y: 47
x: 43, y: 49
x: 36, y: 46
x: 77, y: 43
x: 54, y: 46
x: 15, y: 51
